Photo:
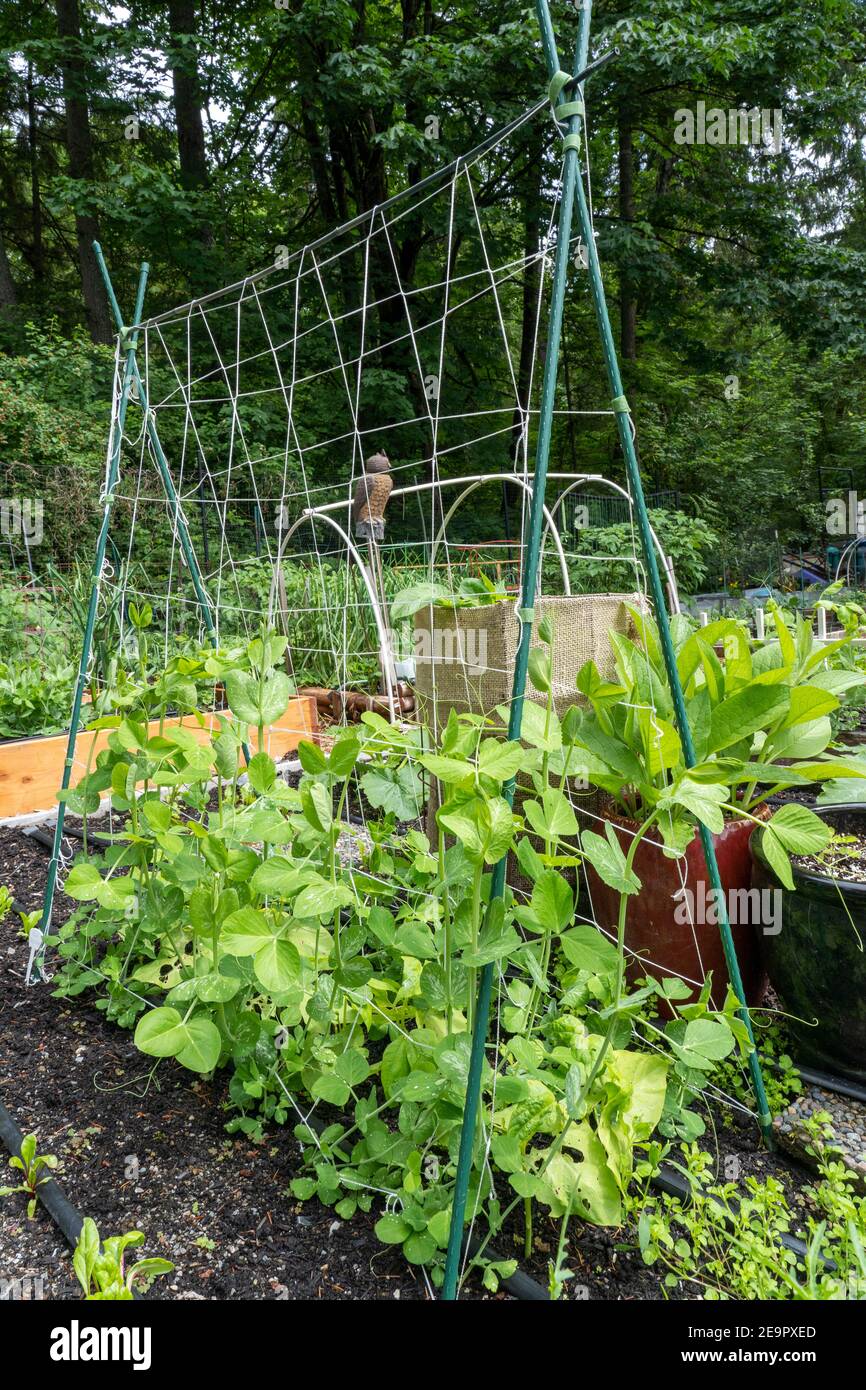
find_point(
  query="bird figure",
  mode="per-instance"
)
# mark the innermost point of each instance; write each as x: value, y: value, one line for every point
x: 371, y: 498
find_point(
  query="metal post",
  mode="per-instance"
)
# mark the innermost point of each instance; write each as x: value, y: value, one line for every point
x: 573, y: 191
x: 160, y: 459
x: 113, y: 472
x: 626, y: 439
x: 530, y: 573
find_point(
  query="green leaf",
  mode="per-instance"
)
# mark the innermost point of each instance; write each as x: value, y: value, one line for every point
x: 204, y: 1044
x: 352, y: 1066
x: 809, y: 702
x: 262, y: 773
x: 539, y: 669
x: 703, y: 1042
x: 157, y: 814
x: 419, y: 1248
x: 794, y: 829
x: 744, y: 713
x: 278, y: 965
x: 553, y: 817
x: 83, y: 882
x: 311, y: 757
x: 330, y: 1088
x: 322, y: 899
x: 495, y: 943
x: 417, y: 596
x: 277, y: 877
x: 215, y: 988
x: 539, y: 728
x: 344, y: 755
x: 498, y: 760
x: 392, y: 1229
x: 195, y: 1043
x: 607, y: 858
x: 86, y: 1252
x: 398, y: 790
x: 160, y: 1033
x: 703, y: 799
x: 552, y: 901
x: 587, y: 948
x: 799, y: 830
x: 244, y: 932
x: 255, y: 706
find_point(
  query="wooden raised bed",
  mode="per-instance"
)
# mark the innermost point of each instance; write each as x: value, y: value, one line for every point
x: 31, y: 769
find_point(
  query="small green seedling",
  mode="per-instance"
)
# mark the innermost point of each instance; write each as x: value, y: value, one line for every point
x: 31, y: 1165
x: 5, y: 902
x: 99, y: 1266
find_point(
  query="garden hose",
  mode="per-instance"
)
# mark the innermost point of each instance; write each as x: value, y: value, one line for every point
x: 65, y: 1216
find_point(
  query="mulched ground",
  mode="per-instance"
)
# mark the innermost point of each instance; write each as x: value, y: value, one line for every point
x: 150, y: 1152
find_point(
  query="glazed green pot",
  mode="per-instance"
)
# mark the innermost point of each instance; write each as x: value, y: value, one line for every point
x: 815, y: 962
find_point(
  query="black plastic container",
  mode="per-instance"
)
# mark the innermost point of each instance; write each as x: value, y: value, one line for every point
x: 817, y: 962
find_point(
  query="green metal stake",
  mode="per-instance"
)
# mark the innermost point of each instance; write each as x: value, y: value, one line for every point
x: 131, y: 375
x: 167, y: 481
x: 116, y: 442
x: 515, y: 720
x: 161, y: 461
x: 572, y: 190
x: 626, y: 439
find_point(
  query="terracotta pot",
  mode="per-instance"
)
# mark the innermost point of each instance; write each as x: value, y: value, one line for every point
x: 659, y: 938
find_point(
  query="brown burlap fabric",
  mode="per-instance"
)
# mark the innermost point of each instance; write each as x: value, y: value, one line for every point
x: 465, y: 661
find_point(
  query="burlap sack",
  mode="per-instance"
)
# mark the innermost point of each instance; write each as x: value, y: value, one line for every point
x: 466, y: 663
x: 465, y: 660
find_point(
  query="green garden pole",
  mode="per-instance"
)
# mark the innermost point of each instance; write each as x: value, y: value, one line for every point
x: 113, y: 473
x: 626, y: 439
x: 569, y: 111
x: 161, y: 461
x: 572, y: 190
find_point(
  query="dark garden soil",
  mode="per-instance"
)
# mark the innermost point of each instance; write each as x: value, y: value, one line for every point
x: 846, y: 860
x: 149, y: 1152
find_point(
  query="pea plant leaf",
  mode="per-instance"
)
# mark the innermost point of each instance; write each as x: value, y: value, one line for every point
x: 195, y: 1042
x: 398, y: 790
x: 607, y: 858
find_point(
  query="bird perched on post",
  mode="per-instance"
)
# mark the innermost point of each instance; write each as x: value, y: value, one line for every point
x: 371, y: 498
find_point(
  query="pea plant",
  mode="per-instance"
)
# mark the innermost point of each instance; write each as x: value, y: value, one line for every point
x: 235, y: 921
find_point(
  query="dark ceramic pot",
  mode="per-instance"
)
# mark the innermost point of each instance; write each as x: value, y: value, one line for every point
x: 664, y: 945
x: 815, y: 962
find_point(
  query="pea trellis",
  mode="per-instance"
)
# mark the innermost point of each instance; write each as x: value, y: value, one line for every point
x: 229, y: 386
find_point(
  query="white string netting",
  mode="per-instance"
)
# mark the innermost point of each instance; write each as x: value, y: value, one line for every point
x: 266, y: 400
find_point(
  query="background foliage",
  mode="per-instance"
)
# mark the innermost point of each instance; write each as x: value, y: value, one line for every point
x: 205, y: 136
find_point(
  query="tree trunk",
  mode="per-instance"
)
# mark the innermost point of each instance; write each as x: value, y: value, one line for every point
x: 627, y: 303
x: 187, y: 95
x: 8, y: 297
x: 80, y: 152
x: 38, y: 258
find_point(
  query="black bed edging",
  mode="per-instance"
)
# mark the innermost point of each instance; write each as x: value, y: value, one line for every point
x: 670, y: 1181
x: 66, y: 1217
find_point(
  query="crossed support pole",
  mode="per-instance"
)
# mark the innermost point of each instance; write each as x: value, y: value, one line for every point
x: 569, y: 115
x: 131, y: 377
